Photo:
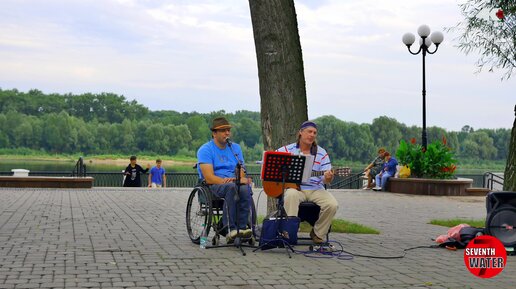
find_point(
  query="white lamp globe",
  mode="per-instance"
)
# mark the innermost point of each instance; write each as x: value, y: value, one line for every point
x: 423, y: 30
x: 408, y: 38
x: 428, y: 42
x: 437, y: 37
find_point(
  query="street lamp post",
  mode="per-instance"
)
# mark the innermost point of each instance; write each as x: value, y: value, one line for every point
x: 424, y: 44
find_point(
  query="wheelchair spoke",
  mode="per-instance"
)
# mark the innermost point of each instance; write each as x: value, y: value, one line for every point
x: 197, y: 213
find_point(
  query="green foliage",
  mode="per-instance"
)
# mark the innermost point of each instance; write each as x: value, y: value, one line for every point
x: 247, y: 131
x: 199, y: 130
x: 337, y: 226
x: 492, y: 34
x: 386, y: 132
x: 68, y: 124
x: 343, y: 226
x: 454, y: 222
x: 105, y: 107
x: 345, y: 140
x: 411, y: 155
x: 436, y: 162
x: 252, y: 153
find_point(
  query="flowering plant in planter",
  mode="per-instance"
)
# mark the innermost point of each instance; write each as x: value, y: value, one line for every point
x: 437, y: 162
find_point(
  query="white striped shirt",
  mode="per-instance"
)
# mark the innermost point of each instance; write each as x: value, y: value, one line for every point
x: 321, y: 163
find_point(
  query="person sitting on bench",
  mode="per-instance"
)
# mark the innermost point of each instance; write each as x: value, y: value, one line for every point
x: 389, y: 170
x: 374, y: 168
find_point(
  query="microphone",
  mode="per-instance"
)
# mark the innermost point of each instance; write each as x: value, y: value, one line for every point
x: 228, y: 141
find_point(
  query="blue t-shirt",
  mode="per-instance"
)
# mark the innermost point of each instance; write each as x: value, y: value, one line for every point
x: 321, y: 163
x: 157, y: 175
x: 223, y: 160
x: 391, y: 166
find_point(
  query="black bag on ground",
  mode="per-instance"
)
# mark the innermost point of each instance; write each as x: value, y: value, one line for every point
x: 466, y: 235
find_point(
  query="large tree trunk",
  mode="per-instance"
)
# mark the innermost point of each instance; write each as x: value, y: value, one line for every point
x: 280, y: 72
x: 509, y: 183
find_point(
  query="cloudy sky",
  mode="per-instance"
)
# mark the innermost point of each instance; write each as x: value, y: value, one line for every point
x: 198, y: 55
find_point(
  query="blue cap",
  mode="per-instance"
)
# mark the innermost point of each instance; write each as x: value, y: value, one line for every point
x: 307, y: 124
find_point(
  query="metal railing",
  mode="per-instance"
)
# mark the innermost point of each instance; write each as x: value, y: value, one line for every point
x: 80, y: 169
x: 349, y: 182
x: 493, y: 181
x: 174, y: 179
x: 356, y: 181
x: 115, y: 179
x: 188, y: 180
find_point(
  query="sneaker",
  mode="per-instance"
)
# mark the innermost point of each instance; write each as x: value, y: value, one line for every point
x: 377, y: 188
x: 230, y: 238
x: 246, y: 233
x: 315, y: 239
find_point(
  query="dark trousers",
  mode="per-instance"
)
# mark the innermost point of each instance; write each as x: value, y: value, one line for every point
x: 228, y: 192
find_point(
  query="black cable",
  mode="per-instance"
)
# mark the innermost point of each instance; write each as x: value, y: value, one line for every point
x: 394, y: 257
x: 342, y: 254
x: 321, y: 253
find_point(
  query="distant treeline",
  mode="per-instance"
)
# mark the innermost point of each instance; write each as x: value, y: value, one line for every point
x: 109, y: 124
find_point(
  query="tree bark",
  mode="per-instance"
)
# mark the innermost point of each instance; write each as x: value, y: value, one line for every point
x: 280, y: 72
x: 509, y: 183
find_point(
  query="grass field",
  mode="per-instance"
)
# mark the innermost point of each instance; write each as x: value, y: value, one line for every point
x: 337, y: 226
x: 454, y: 222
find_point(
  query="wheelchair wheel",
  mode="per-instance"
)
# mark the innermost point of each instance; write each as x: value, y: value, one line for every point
x: 198, y: 212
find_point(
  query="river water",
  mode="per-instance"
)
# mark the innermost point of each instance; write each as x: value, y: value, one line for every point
x: 68, y: 165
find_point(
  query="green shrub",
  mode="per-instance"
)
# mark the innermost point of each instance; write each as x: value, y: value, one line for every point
x: 436, y: 162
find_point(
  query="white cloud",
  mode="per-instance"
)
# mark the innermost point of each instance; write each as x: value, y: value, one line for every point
x: 199, y: 55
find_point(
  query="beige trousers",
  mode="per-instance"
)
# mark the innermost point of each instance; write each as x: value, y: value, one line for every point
x: 323, y: 198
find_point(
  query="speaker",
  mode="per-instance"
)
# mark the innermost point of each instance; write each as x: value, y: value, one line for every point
x: 501, y: 217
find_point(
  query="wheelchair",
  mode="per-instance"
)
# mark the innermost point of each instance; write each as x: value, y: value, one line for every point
x: 203, y: 207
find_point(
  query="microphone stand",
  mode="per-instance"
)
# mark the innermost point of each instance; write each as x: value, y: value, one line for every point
x: 239, y: 165
x: 238, y: 170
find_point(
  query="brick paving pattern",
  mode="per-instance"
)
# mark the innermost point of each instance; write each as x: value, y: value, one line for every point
x: 136, y: 238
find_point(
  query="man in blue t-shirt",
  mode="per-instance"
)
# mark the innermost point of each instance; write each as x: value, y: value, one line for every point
x: 157, y: 177
x: 217, y: 161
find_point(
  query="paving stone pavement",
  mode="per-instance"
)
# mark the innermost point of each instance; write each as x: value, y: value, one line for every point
x: 136, y: 238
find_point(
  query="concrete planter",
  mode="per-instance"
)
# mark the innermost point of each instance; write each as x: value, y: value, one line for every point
x: 436, y: 187
x: 45, y: 182
x: 20, y: 172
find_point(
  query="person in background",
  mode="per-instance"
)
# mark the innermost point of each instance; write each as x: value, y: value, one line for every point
x: 132, y: 173
x: 157, y: 177
x: 389, y: 170
x: 374, y: 168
